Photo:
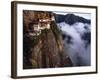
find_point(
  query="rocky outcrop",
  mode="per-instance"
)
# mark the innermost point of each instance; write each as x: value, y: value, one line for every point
x: 45, y: 50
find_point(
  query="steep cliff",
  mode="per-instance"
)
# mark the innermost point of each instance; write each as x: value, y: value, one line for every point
x: 45, y: 50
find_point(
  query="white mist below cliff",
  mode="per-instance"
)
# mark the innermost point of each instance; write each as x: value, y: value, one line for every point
x: 76, y: 50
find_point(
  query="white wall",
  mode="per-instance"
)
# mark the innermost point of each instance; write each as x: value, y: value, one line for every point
x: 5, y: 40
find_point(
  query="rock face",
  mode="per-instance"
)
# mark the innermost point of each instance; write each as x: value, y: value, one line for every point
x: 45, y: 50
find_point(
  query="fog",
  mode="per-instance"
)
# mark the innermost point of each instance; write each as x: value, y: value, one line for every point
x: 76, y: 50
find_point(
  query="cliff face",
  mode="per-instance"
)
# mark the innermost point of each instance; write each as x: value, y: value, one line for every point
x: 45, y: 50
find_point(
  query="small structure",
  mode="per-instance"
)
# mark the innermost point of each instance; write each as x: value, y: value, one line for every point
x: 42, y: 21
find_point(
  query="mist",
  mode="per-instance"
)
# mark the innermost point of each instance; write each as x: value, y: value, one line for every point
x: 76, y: 39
